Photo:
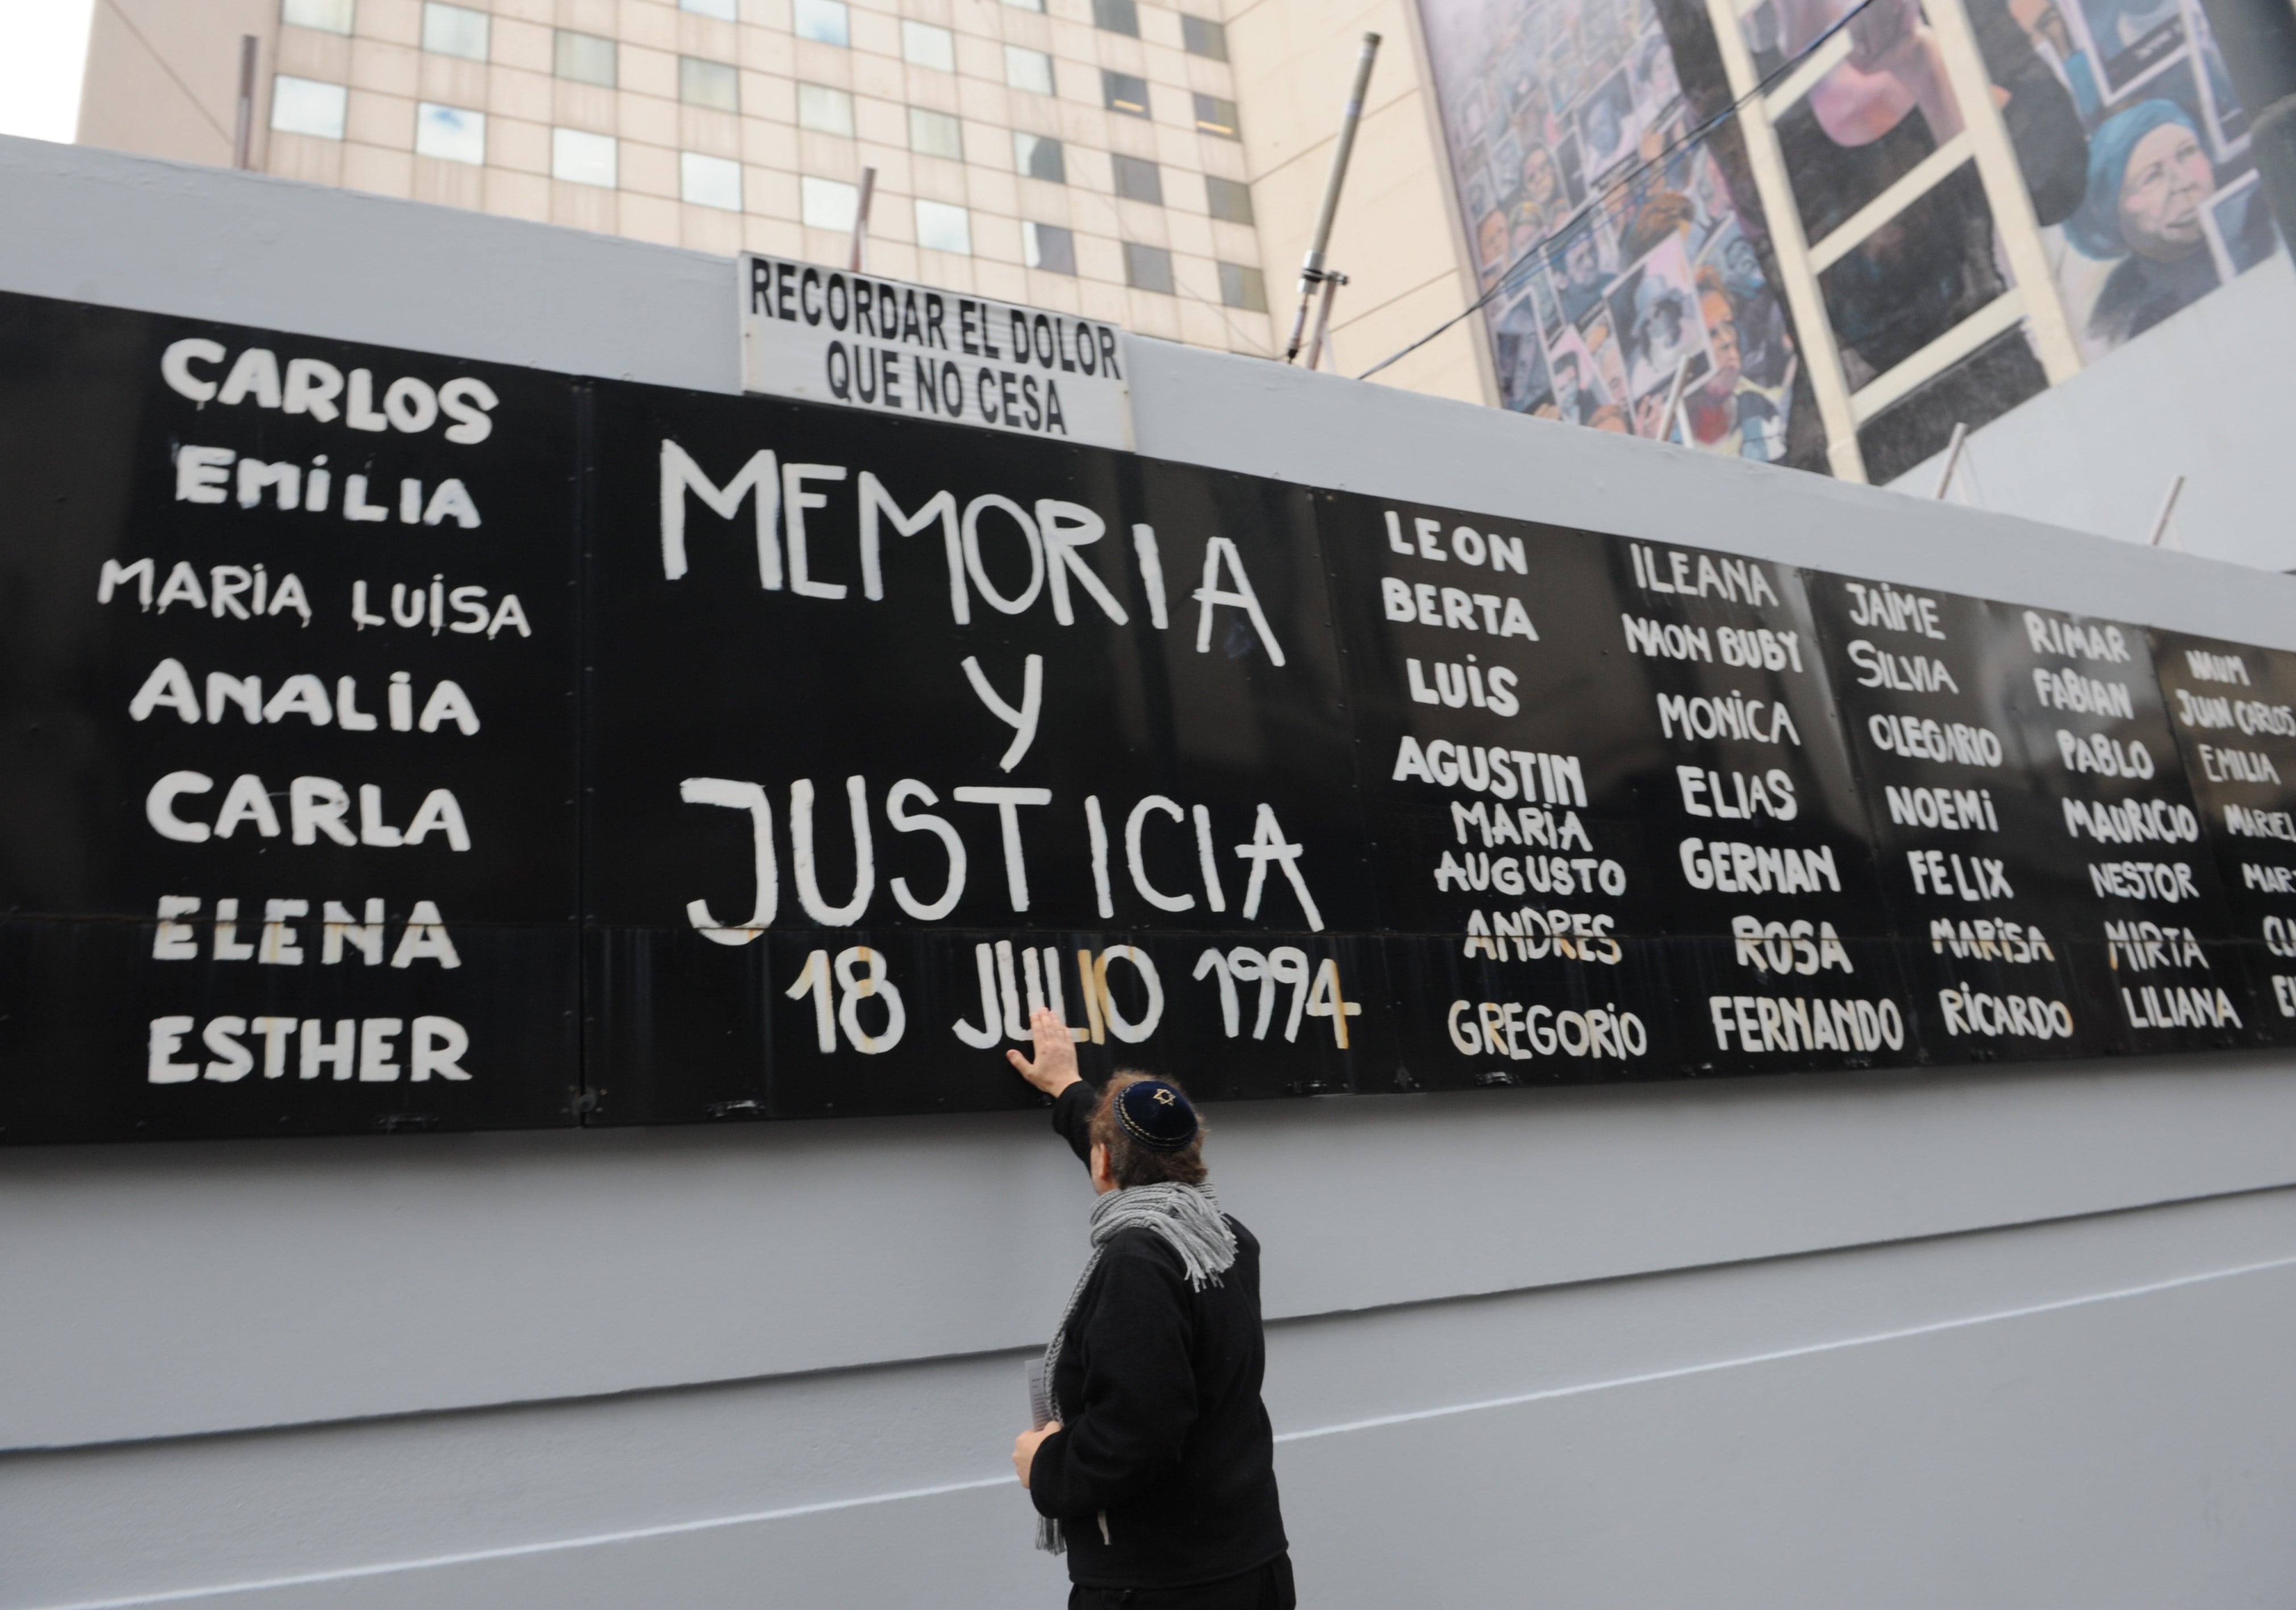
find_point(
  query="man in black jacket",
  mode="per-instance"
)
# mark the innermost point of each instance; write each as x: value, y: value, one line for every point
x: 1156, y: 1475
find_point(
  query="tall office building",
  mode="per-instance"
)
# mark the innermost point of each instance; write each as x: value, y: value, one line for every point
x: 1075, y: 156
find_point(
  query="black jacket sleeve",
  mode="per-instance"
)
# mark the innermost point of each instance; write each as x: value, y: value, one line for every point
x: 1072, y: 1118
x: 1139, y: 1387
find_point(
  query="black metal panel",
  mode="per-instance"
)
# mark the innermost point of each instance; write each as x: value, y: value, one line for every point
x: 647, y: 756
x: 1976, y: 871
x: 2153, y: 943
x: 1780, y: 948
x: 183, y: 666
x: 2234, y: 706
x: 1184, y: 770
x: 1501, y: 739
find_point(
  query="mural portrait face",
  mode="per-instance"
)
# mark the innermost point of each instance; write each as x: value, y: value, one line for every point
x: 1566, y: 385
x: 1530, y: 228
x: 1603, y: 130
x: 1581, y: 264
x: 1491, y: 238
x: 1709, y: 189
x: 1540, y: 183
x: 1609, y: 366
x: 1522, y: 367
x: 1663, y: 328
x: 1654, y: 71
x: 2169, y: 178
x: 1722, y: 337
x: 2041, y: 20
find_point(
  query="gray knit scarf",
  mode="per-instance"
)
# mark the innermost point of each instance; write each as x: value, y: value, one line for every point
x: 1188, y: 1218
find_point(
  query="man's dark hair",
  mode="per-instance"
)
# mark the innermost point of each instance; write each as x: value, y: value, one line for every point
x: 1136, y: 1164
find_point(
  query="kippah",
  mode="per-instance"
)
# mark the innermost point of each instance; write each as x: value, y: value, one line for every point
x: 1155, y: 1115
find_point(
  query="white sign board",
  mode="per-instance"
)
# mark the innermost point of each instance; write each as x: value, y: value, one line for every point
x: 830, y: 336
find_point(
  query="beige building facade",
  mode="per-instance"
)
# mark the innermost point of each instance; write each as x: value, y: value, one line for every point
x: 1087, y: 155
x: 1398, y: 237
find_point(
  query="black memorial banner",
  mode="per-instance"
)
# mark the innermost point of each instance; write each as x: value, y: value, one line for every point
x: 389, y: 740
x: 894, y: 736
x: 288, y: 759
x: 2152, y: 939
x: 1978, y: 876
x: 1501, y: 738
x: 2234, y: 706
x: 1781, y: 948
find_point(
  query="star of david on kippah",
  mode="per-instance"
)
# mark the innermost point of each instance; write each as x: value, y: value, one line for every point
x: 1155, y: 1115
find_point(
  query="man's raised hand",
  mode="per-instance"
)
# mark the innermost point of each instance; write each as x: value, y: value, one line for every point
x: 1055, y: 1069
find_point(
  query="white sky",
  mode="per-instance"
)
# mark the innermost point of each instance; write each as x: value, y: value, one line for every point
x: 43, y: 49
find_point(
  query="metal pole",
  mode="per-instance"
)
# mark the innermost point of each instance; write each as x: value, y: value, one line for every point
x: 859, y: 256
x: 1311, y: 269
x: 242, y: 140
x: 1953, y: 456
x: 1668, y: 414
x: 2168, y: 510
x: 1332, y: 280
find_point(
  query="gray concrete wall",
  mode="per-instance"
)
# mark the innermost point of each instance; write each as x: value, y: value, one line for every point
x: 2016, y: 1337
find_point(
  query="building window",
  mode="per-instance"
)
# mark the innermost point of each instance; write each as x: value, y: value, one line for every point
x: 1227, y: 201
x: 1216, y: 116
x: 936, y: 133
x: 582, y: 158
x: 824, y: 110
x: 1026, y: 5
x: 305, y: 106
x: 1048, y: 247
x: 941, y: 227
x: 1147, y: 268
x: 1039, y: 157
x: 1117, y: 16
x: 330, y: 16
x: 709, y: 181
x: 1029, y: 70
x: 827, y: 204
x: 450, y: 133
x: 1137, y: 180
x: 704, y: 83
x: 585, y: 58
x: 1122, y: 91
x: 724, y: 11
x: 1242, y: 287
x: 454, y: 30
x: 1204, y: 37
x: 924, y: 45
x: 823, y: 21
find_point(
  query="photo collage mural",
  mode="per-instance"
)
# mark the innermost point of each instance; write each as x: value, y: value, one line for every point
x: 1624, y: 252
x: 1603, y: 182
x: 2169, y: 203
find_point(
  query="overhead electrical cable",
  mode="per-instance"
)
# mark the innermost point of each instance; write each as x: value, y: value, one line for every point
x: 1550, y: 243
